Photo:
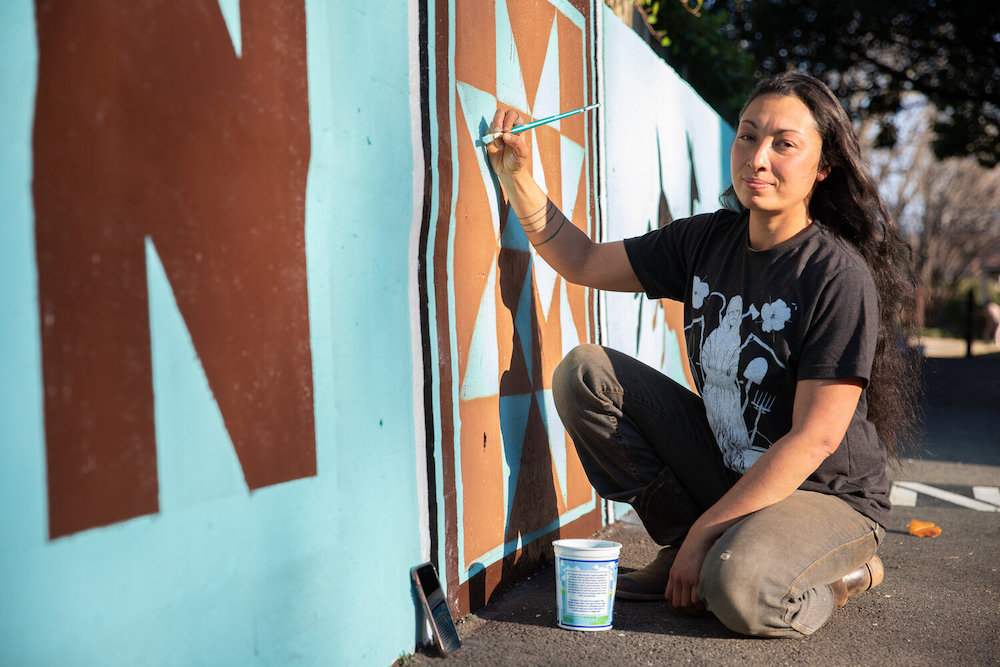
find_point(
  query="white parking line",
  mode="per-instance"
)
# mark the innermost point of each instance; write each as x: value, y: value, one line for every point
x: 988, y: 494
x: 948, y: 496
x: 900, y: 497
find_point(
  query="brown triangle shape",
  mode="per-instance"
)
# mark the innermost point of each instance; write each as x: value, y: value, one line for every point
x: 531, y: 23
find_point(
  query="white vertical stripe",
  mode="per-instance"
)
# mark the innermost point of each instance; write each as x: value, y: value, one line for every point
x: 599, y: 225
x: 416, y: 219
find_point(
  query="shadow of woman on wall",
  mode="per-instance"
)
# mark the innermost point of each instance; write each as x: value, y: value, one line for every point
x: 531, y: 495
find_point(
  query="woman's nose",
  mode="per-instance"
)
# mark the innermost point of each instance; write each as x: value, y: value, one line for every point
x: 759, y: 159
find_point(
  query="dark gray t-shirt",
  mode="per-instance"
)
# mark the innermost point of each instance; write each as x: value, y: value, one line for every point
x: 757, y: 322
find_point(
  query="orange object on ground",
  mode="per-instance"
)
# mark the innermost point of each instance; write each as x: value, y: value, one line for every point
x: 924, y: 528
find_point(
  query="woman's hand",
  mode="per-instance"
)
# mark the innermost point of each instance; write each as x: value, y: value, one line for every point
x: 510, y: 153
x: 682, y: 585
x: 820, y: 415
x: 566, y: 248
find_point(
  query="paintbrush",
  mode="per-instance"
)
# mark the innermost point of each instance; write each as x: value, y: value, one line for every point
x: 487, y: 138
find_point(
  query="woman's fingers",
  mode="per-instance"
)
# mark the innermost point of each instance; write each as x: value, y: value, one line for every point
x: 497, y: 123
x: 508, y: 153
x: 696, y: 604
x: 673, y: 592
x: 683, y: 595
x: 510, y: 119
x: 504, y: 120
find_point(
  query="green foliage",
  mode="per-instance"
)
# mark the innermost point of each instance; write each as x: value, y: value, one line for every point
x: 869, y: 51
x: 703, y: 50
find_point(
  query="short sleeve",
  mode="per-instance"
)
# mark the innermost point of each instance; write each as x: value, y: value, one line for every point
x: 842, y: 331
x: 662, y: 258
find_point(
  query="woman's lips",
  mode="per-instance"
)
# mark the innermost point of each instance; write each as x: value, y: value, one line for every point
x: 756, y: 183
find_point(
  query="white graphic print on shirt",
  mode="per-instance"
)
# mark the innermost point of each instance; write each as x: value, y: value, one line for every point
x: 731, y: 401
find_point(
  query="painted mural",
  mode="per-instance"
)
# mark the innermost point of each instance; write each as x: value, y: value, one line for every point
x: 511, y: 474
x: 198, y: 156
x: 272, y: 336
x: 666, y: 157
x: 207, y: 400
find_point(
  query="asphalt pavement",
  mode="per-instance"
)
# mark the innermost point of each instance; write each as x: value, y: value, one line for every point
x: 939, y: 603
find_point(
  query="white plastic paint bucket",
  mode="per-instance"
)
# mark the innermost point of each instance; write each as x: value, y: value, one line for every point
x: 586, y: 576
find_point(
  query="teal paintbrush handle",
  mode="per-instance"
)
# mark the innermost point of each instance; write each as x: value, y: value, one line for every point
x: 487, y: 138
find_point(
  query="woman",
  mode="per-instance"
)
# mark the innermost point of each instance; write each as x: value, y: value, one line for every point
x: 768, y: 492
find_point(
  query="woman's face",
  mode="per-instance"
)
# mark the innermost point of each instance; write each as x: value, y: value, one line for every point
x: 734, y: 312
x: 775, y: 156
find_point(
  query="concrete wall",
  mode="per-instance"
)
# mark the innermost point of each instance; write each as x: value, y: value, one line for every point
x: 269, y: 339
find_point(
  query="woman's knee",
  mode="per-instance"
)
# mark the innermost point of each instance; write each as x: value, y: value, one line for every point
x: 730, y: 587
x: 572, y: 375
x: 741, y: 589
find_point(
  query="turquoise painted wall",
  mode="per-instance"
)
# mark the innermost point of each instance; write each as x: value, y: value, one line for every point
x: 313, y: 571
x: 310, y: 571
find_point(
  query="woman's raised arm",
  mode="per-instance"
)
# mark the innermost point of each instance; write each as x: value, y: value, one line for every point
x: 565, y: 247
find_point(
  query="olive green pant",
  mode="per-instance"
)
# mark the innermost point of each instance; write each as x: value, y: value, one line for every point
x: 643, y: 439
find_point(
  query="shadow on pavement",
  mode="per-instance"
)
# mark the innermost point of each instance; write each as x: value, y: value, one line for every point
x: 963, y: 410
x: 937, y: 605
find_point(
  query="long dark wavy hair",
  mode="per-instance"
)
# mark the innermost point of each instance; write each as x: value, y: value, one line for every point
x: 848, y: 203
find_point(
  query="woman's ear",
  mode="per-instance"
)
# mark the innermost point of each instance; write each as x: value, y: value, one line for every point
x: 822, y: 173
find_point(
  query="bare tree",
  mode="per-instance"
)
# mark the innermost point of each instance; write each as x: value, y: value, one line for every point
x: 948, y: 209
x: 960, y: 231
x: 901, y: 170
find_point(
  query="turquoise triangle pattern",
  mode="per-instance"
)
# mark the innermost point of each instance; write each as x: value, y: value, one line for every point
x: 523, y: 323
x: 547, y: 101
x: 513, y: 236
x: 186, y: 412
x: 475, y: 103
x: 556, y: 435
x: 231, y: 14
x: 510, y: 82
x: 572, y: 157
x: 482, y: 369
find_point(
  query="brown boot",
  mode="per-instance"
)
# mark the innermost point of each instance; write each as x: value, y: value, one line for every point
x: 864, y: 578
x: 649, y: 583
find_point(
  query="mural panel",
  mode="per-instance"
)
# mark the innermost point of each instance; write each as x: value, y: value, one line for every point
x: 511, y: 476
x: 198, y: 147
x: 170, y: 168
x: 666, y: 157
x: 169, y: 188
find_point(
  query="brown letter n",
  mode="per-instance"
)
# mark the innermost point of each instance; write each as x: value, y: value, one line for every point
x: 148, y: 124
